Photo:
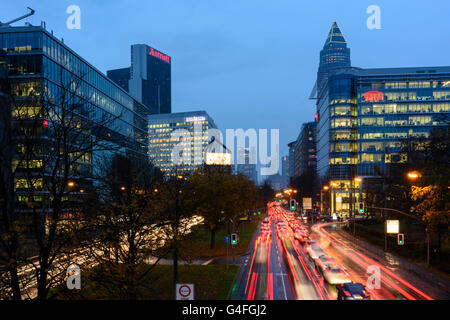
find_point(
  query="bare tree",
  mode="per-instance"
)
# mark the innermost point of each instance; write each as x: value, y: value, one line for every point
x: 129, y: 228
x: 52, y: 132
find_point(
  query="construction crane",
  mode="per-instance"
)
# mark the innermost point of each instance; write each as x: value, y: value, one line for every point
x: 7, y: 24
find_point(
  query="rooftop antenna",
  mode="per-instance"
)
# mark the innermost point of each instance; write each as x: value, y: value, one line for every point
x: 7, y: 24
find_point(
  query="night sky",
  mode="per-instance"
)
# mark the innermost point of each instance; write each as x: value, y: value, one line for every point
x: 248, y: 63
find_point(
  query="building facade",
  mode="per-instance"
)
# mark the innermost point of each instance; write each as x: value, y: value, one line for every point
x: 177, y: 141
x: 148, y: 79
x: 285, y: 171
x: 291, y: 158
x: 121, y: 77
x: 246, y: 167
x: 305, y: 150
x: 365, y: 114
x: 40, y: 69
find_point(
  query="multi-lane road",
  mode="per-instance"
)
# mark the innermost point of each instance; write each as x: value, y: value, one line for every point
x: 281, y: 266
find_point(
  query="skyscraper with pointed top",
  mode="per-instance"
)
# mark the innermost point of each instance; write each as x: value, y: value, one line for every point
x: 365, y: 115
x: 334, y: 54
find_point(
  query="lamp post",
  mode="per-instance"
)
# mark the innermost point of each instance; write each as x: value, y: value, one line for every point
x: 413, y: 176
x: 325, y: 188
x: 359, y: 180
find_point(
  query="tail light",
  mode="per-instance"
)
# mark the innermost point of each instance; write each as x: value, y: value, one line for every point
x: 347, y: 294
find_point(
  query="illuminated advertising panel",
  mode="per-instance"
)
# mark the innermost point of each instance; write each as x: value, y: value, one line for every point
x: 194, y: 119
x: 307, y: 203
x: 159, y: 55
x: 218, y: 159
x: 392, y: 226
x: 373, y: 96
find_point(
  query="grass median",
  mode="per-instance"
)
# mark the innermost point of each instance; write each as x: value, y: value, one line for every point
x: 198, y: 243
x: 211, y: 282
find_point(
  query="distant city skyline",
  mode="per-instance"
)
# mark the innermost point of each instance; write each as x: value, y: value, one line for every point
x: 226, y: 57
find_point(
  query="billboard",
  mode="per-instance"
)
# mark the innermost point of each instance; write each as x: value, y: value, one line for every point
x: 215, y: 158
x: 392, y: 226
x: 307, y: 203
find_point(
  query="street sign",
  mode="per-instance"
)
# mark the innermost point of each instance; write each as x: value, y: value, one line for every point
x: 184, y: 291
x: 392, y: 226
x: 227, y: 239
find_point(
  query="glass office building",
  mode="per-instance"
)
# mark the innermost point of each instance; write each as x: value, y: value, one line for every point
x: 364, y: 114
x: 183, y: 133
x: 305, y: 150
x: 148, y: 79
x: 37, y: 64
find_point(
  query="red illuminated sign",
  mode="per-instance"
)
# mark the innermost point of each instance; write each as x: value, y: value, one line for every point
x: 317, y: 116
x: 373, y: 96
x: 159, y: 55
x: 45, y: 123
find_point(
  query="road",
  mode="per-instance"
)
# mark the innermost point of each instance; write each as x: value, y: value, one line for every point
x: 279, y: 267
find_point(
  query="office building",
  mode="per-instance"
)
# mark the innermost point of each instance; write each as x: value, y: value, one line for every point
x: 285, y: 171
x: 244, y: 165
x: 120, y: 76
x: 148, y: 79
x: 41, y: 70
x: 291, y: 157
x: 305, y: 150
x: 177, y: 141
x: 364, y: 115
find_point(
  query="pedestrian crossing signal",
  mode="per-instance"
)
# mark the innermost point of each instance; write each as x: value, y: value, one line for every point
x: 400, y: 239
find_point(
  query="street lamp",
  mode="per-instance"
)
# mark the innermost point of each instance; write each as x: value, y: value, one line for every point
x: 122, y: 188
x: 325, y: 188
x: 71, y: 184
x: 413, y: 175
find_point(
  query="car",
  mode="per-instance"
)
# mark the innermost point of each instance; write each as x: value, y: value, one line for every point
x: 324, y: 262
x: 314, y: 251
x: 352, y: 291
x: 265, y: 234
x: 336, y: 275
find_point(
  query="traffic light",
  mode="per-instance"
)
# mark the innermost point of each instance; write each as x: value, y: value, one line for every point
x: 400, y: 239
x: 234, y: 238
x: 361, y: 207
x: 259, y: 212
x: 292, y: 202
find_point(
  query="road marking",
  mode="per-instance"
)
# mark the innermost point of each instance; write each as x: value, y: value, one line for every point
x: 207, y: 262
x: 284, y: 287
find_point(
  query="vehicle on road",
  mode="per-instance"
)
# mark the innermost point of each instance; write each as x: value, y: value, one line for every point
x: 352, y: 291
x: 314, y: 251
x: 324, y: 262
x: 336, y: 275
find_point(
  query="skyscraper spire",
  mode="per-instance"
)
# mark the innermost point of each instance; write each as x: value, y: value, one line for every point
x: 335, y: 36
x: 334, y: 54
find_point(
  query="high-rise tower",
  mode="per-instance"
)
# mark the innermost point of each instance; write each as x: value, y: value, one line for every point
x: 334, y: 54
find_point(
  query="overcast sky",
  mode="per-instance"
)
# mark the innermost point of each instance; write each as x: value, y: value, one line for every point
x: 248, y: 63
